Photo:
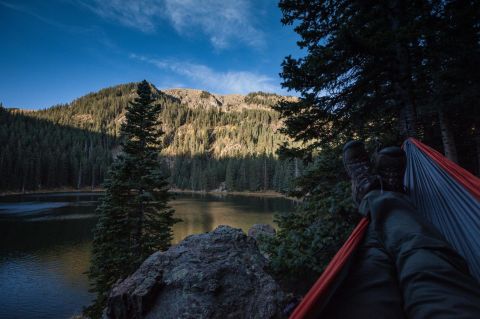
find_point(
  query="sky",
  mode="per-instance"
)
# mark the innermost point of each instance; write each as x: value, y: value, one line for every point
x: 54, y: 51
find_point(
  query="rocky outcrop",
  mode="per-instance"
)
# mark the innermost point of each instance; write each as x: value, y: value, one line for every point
x: 259, y: 230
x: 220, y: 274
x: 229, y: 102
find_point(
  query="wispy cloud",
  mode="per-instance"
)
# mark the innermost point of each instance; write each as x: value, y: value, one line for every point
x: 99, y: 34
x: 140, y: 14
x: 204, y: 77
x: 224, y: 22
x: 31, y: 12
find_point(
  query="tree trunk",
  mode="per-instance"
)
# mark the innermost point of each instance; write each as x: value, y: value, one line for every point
x: 401, y: 76
x: 79, y: 182
x: 297, y: 171
x: 93, y: 177
x: 448, y: 140
x: 138, y: 247
x: 477, y: 146
x: 408, y: 118
x: 477, y: 142
x: 265, y: 177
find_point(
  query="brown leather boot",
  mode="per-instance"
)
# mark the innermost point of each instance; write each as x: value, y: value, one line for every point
x: 390, y: 165
x: 357, y: 165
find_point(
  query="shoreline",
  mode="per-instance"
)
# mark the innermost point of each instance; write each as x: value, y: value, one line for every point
x: 55, y: 190
x: 270, y: 194
x: 243, y: 193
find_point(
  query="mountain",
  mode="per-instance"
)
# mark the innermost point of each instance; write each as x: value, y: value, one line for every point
x: 211, y: 141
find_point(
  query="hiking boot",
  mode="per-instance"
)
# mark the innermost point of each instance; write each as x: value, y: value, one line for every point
x: 357, y: 165
x: 390, y: 165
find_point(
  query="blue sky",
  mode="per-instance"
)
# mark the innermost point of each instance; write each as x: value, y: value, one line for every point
x: 54, y: 51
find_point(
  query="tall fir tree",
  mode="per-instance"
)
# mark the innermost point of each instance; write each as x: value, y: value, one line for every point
x: 134, y: 217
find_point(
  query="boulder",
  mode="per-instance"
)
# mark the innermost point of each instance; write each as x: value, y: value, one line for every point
x: 220, y: 274
x: 259, y: 230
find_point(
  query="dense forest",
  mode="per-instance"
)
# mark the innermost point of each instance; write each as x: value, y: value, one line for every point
x: 210, y: 141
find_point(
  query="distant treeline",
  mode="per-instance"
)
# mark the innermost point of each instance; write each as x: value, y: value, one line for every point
x: 204, y: 148
x: 252, y: 173
x: 38, y: 154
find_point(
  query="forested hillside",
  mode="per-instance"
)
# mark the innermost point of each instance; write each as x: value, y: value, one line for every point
x: 211, y: 141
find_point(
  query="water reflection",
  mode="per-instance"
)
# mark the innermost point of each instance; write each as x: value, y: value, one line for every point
x: 45, y: 244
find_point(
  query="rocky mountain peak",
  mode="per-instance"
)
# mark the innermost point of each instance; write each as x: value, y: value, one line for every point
x: 228, y: 102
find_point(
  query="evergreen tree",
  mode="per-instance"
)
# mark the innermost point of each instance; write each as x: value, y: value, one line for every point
x: 386, y: 69
x: 451, y: 37
x: 134, y: 218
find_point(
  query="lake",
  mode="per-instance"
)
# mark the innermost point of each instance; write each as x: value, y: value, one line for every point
x: 45, y: 242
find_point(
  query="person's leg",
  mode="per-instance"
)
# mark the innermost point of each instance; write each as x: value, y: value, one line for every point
x: 433, y: 278
x: 370, y: 288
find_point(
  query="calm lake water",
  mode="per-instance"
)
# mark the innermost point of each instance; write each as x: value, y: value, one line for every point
x: 45, y: 244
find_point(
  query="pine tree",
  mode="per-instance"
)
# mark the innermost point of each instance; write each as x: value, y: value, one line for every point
x: 386, y: 69
x: 134, y: 218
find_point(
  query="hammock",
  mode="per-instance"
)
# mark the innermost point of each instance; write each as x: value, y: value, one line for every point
x: 443, y: 192
x: 448, y: 196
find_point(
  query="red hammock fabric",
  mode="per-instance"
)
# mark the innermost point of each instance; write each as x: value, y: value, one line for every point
x: 469, y: 181
x: 328, y: 276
